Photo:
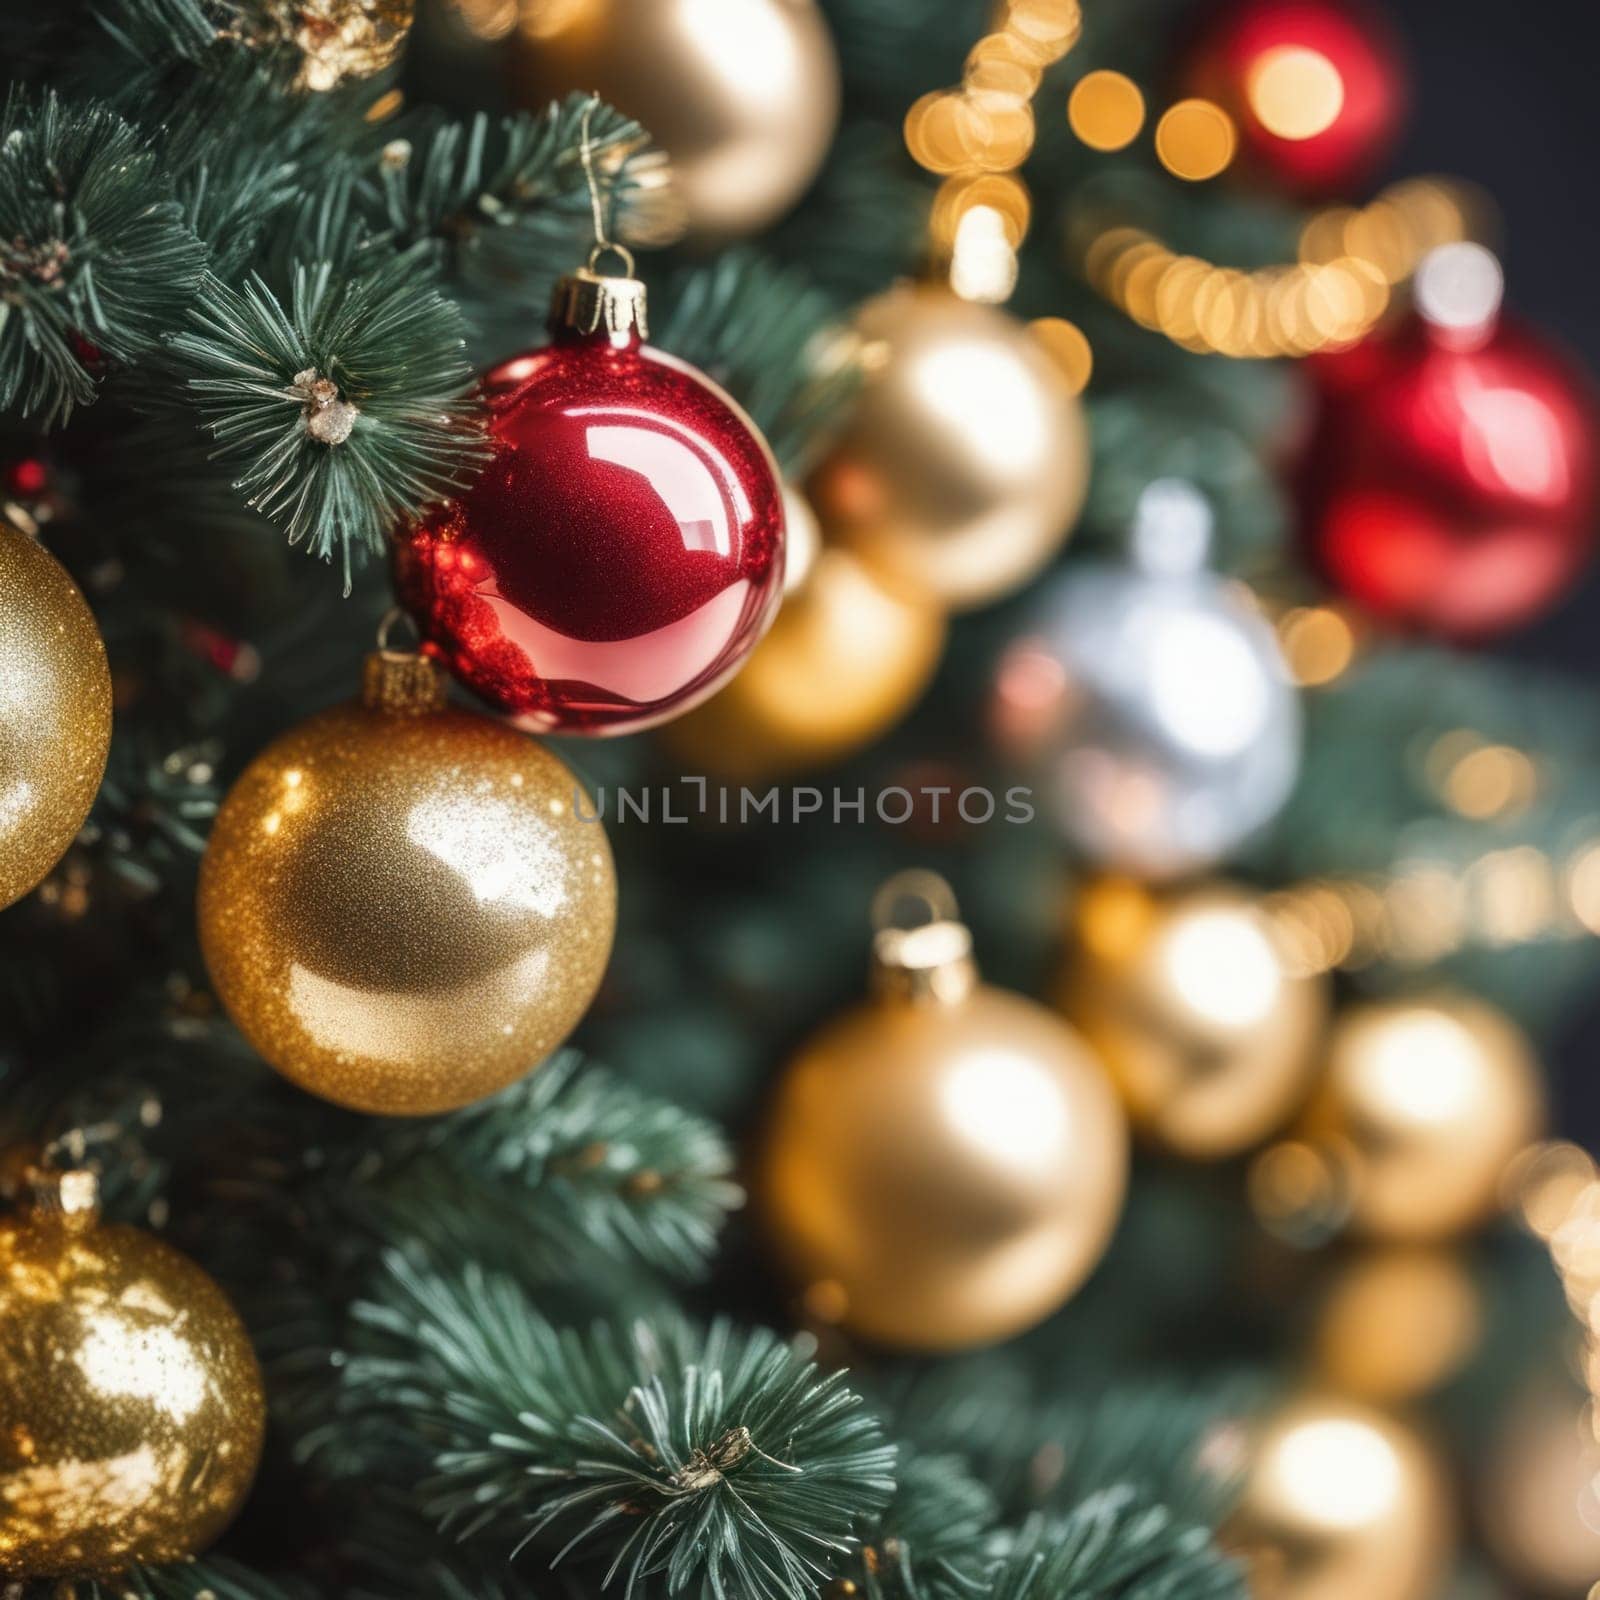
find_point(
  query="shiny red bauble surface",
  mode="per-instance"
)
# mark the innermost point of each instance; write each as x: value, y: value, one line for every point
x: 621, y: 553
x: 1330, y: 65
x: 1452, y: 489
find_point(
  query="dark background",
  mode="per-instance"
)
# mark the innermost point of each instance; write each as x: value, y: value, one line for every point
x: 1507, y: 95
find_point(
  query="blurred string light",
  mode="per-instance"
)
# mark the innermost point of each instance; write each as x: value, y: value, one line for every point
x: 1555, y: 1190
x: 1350, y: 262
x: 976, y: 135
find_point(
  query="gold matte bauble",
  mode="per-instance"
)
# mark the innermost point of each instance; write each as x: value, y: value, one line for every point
x: 742, y: 95
x: 944, y: 1165
x: 1423, y: 1105
x: 131, y: 1406
x: 1341, y: 1503
x: 1540, y: 1494
x: 1398, y: 1321
x: 966, y: 461
x: 845, y: 660
x: 1191, y: 1000
x: 401, y: 907
x: 55, y: 712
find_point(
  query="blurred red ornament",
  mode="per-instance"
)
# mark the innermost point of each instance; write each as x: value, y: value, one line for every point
x: 1451, y: 482
x: 622, y: 552
x: 1318, y: 89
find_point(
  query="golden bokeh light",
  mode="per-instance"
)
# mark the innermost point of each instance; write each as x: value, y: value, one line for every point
x: 1106, y: 110
x: 1295, y: 92
x: 1068, y: 346
x: 1318, y: 643
x: 1342, y: 285
x: 1493, y: 780
x: 1044, y: 29
x: 1196, y: 140
x: 1002, y: 193
x: 1583, y: 887
x: 983, y: 260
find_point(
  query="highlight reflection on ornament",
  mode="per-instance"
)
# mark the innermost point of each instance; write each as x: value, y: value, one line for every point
x: 1154, y: 704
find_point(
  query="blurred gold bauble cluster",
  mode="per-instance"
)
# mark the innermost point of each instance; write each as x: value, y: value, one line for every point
x: 1340, y: 1502
x: 55, y: 712
x: 131, y: 1406
x: 399, y: 906
x: 943, y: 1166
x: 845, y: 660
x: 966, y: 460
x: 742, y: 95
x: 1191, y: 1001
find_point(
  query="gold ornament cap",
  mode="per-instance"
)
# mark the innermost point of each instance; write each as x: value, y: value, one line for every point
x: 401, y: 684
x: 931, y: 961
x: 589, y: 301
x: 71, y: 1198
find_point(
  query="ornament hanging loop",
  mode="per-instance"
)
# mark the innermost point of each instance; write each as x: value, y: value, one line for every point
x: 590, y: 301
x: 929, y: 961
x: 400, y: 682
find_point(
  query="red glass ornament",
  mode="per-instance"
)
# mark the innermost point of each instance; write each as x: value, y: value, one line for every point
x: 619, y: 556
x: 1450, y: 485
x: 1339, y: 71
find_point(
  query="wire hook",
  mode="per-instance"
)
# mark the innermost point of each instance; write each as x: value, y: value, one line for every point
x: 604, y: 244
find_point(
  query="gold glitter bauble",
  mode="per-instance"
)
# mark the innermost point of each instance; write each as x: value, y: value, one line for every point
x: 1398, y: 1321
x: 131, y: 1407
x: 1192, y: 1002
x: 966, y: 461
x: 55, y: 712
x: 1341, y: 1503
x: 844, y: 661
x: 401, y: 905
x: 946, y: 1164
x: 742, y: 95
x: 1422, y: 1107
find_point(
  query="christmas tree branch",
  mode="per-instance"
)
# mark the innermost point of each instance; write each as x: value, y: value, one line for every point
x: 719, y: 1462
x: 344, y: 411
x: 1115, y: 1546
x: 503, y: 200
x: 568, y: 1165
x: 96, y: 261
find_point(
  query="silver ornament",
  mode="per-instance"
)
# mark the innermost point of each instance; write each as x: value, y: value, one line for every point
x: 1152, y: 703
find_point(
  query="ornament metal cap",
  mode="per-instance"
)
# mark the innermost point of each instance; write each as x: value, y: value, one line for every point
x: 71, y: 1198
x: 930, y: 961
x: 400, y: 682
x: 589, y: 301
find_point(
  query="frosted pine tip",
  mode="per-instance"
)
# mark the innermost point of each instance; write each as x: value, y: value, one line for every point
x: 330, y: 419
